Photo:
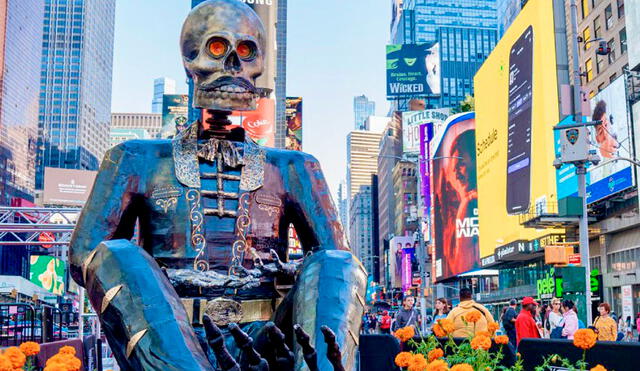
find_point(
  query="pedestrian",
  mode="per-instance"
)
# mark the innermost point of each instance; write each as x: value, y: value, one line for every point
x: 569, y: 319
x: 638, y: 325
x: 385, y: 323
x: 509, y: 321
x: 555, y: 318
x: 629, y: 333
x: 526, y: 326
x: 462, y: 327
x: 407, y: 315
x: 622, y: 330
x: 442, y: 309
x: 606, y: 327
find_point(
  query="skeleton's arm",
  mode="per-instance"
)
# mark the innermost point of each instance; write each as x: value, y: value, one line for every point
x: 314, y: 214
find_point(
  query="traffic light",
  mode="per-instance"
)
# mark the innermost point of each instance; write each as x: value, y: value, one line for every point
x: 603, y: 48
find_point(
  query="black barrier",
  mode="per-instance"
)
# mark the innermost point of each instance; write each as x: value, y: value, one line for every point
x: 378, y: 353
x: 618, y: 356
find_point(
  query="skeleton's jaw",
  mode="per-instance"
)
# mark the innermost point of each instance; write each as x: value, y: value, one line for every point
x: 226, y: 98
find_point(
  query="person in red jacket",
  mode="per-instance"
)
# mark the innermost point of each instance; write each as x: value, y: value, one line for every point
x: 526, y: 326
x: 385, y: 323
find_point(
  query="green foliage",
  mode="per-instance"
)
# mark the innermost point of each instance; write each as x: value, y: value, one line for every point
x: 467, y: 105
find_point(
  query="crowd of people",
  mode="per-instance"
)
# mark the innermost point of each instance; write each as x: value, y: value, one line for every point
x: 556, y: 320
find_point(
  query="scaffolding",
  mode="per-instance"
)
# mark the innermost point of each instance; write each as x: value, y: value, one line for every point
x: 37, y: 226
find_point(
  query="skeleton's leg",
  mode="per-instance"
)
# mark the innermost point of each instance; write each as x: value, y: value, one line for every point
x: 330, y: 292
x: 141, y: 314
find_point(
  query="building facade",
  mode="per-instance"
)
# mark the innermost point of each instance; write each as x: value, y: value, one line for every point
x: 599, y: 19
x: 75, y: 85
x: 362, y: 160
x: 151, y: 122
x: 161, y: 86
x: 20, y: 47
x: 362, y: 109
x: 343, y: 206
x: 361, y: 228
x: 405, y: 187
x: 390, y: 153
x: 507, y: 11
x: 118, y: 135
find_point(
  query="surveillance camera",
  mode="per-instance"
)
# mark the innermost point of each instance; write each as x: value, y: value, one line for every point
x: 594, y: 159
x: 557, y: 163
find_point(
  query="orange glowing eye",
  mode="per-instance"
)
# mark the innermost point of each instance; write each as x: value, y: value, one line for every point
x: 246, y: 50
x: 217, y: 48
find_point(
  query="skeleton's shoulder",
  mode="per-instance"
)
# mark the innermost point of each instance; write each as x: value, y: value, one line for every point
x: 143, y: 148
x: 285, y: 156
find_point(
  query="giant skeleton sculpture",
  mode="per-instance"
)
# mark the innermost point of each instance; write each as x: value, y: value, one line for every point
x: 209, y: 286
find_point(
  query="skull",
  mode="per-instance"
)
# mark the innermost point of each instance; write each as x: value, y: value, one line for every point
x: 222, y: 43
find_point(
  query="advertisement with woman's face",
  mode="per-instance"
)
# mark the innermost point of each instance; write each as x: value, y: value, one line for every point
x: 455, y: 197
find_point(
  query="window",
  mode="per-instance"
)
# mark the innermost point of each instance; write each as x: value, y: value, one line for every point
x: 596, y: 27
x: 585, y: 8
x: 623, y: 41
x: 612, y: 54
x: 586, y: 36
x: 599, y: 64
x: 592, y: 94
x: 612, y: 77
x: 588, y: 67
x: 608, y: 17
x: 601, y: 87
x: 620, y: 8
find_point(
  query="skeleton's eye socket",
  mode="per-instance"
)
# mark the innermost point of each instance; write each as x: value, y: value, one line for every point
x: 246, y: 50
x: 218, y: 47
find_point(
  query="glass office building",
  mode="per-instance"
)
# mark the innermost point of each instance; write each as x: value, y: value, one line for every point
x: 362, y: 109
x: 20, y: 43
x: 75, y: 84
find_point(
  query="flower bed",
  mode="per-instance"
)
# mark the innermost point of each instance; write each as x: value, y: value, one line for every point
x: 23, y: 358
x: 433, y: 354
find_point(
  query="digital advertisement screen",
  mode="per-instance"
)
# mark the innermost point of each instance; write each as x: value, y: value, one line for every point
x: 413, y: 69
x: 402, y: 252
x: 517, y: 106
x: 175, y: 110
x: 48, y: 272
x: 293, y: 140
x: 455, y: 197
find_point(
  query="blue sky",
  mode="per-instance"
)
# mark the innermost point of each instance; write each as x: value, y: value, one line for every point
x: 335, y: 52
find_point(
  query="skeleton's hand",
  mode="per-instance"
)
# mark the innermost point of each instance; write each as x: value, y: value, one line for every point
x: 216, y: 342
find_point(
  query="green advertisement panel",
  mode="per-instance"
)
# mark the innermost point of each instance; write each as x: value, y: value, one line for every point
x: 48, y: 272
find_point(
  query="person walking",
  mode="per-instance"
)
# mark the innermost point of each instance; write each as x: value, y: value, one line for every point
x: 509, y: 322
x: 569, y: 319
x: 442, y: 309
x: 406, y: 316
x: 462, y: 327
x: 638, y: 325
x: 606, y: 327
x: 555, y: 317
x: 385, y: 323
x: 526, y: 326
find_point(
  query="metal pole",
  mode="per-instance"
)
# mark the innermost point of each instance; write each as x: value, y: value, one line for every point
x: 584, y: 238
x: 81, y: 314
x: 580, y: 168
x: 422, y: 259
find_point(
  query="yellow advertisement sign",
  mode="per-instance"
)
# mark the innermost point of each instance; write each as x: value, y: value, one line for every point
x: 516, y: 93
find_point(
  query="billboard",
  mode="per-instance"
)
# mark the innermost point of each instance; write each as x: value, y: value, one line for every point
x: 47, y: 272
x: 413, y: 70
x: 175, y: 109
x: 293, y: 112
x: 258, y: 124
x: 516, y: 93
x: 455, y: 229
x: 402, y: 261
x: 611, y: 139
x: 67, y: 187
x: 411, y: 121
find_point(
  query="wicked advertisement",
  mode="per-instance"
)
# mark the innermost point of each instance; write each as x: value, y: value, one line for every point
x: 413, y: 70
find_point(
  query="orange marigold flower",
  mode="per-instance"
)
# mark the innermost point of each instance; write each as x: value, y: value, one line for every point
x: 598, y: 368
x: 483, y: 333
x: 417, y: 363
x: 518, y: 355
x: 16, y: 356
x: 403, y: 358
x: 481, y: 342
x: 437, y: 365
x: 493, y: 327
x: 438, y: 331
x: 56, y: 367
x: 5, y: 363
x: 30, y: 348
x: 473, y: 316
x: 502, y: 339
x: 67, y: 349
x: 462, y: 367
x: 447, y: 325
x: 435, y: 354
x: 405, y: 333
x: 585, y: 338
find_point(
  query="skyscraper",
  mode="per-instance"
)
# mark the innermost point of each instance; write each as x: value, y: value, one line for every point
x: 360, y: 227
x: 75, y: 84
x: 362, y: 109
x: 273, y: 14
x: 161, y: 86
x: 507, y: 12
x: 20, y: 44
x: 151, y: 122
x: 343, y: 206
x: 362, y: 159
